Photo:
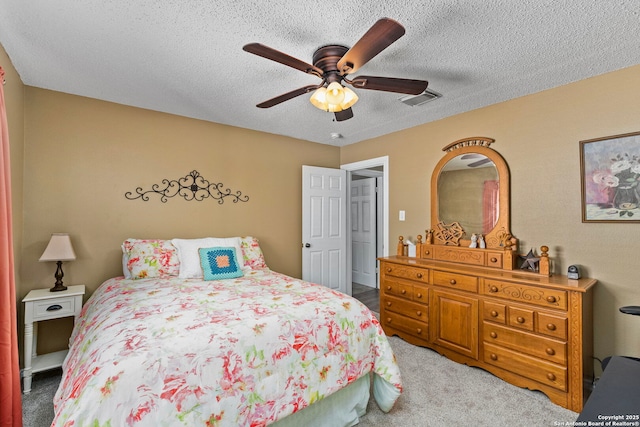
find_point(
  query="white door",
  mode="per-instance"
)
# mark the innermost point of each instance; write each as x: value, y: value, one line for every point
x: 324, y: 227
x: 363, y: 231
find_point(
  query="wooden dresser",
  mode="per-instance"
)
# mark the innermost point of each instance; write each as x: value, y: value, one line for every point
x: 469, y: 293
x: 532, y: 330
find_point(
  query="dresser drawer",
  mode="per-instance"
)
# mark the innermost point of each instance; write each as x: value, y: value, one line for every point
x: 521, y: 318
x: 405, y: 289
x: 494, y: 312
x: 389, y: 287
x: 426, y: 252
x: 536, y: 369
x: 551, y: 325
x: 455, y: 281
x: 398, y: 288
x: 407, y: 272
x: 401, y: 323
x: 543, y: 297
x: 420, y: 294
x: 406, y: 308
x: 53, y: 309
x: 459, y: 255
x: 534, y: 345
x: 494, y: 259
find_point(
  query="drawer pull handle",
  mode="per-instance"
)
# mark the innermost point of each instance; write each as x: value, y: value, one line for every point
x: 494, y: 259
x: 388, y: 303
x: 551, y: 299
x: 551, y: 351
x: 520, y: 319
x: 404, y: 291
x: 493, y: 356
x: 419, y: 330
x: 388, y: 288
x: 551, y: 377
x: 452, y: 281
x: 54, y: 307
x: 493, y: 289
x: 493, y: 335
x: 419, y: 275
x: 419, y: 295
x: 388, y: 320
x: 418, y: 313
x: 427, y: 252
x: 551, y: 327
x: 494, y: 313
x: 389, y: 269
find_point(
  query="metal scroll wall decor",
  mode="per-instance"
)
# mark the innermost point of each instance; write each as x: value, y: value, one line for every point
x: 191, y: 187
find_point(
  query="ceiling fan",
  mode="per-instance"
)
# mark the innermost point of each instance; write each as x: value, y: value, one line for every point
x: 483, y: 160
x: 332, y: 63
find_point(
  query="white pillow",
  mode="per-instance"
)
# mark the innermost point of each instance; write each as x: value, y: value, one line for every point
x: 190, y: 267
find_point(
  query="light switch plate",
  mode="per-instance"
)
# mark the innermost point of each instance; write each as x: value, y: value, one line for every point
x: 401, y: 216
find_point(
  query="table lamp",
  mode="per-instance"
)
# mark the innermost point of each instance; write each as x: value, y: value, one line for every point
x: 59, y: 249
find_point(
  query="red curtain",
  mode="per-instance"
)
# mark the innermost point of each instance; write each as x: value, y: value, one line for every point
x: 490, y: 205
x: 10, y: 394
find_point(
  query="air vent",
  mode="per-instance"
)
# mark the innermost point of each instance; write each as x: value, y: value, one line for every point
x: 424, y: 97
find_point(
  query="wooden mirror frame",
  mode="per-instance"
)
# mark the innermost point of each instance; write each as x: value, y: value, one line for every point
x: 444, y: 242
x: 500, y: 236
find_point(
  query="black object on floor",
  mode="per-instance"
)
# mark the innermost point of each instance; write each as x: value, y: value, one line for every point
x: 629, y: 309
x: 617, y: 394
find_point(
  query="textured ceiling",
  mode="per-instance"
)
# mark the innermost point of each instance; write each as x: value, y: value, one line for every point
x: 185, y: 57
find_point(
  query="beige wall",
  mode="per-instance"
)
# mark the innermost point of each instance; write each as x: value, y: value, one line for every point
x: 539, y: 136
x: 83, y: 155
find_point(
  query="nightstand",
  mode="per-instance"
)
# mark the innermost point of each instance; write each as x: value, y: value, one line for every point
x: 41, y: 304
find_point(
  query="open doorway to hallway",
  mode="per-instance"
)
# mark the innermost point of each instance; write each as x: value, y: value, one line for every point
x: 368, y: 209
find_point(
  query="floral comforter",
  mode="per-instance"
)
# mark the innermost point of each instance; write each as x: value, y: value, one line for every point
x: 235, y: 352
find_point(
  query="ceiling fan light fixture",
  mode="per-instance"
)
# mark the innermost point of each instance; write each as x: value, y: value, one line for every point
x: 320, y: 99
x: 335, y: 93
x: 350, y: 98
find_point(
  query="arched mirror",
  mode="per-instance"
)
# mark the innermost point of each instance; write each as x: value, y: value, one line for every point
x: 470, y: 189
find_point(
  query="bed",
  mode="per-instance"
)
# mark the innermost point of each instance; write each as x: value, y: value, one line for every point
x: 200, y: 332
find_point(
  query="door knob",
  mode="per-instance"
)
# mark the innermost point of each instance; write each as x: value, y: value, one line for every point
x: 307, y: 245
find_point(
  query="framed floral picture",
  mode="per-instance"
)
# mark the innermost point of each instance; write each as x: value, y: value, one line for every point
x: 610, y: 169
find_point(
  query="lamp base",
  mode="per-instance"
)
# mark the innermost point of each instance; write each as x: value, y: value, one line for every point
x: 59, y: 275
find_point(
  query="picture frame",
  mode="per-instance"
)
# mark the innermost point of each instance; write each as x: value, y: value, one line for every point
x: 610, y: 177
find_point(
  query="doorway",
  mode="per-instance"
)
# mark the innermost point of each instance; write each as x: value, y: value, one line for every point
x: 377, y: 169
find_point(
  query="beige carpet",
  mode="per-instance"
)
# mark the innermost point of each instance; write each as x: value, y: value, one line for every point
x: 439, y: 392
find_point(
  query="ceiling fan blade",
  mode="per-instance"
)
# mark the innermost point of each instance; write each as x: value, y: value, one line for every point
x: 282, y: 58
x: 479, y: 162
x: 471, y: 156
x: 344, y: 115
x: 287, y: 96
x: 390, y: 84
x: 381, y: 35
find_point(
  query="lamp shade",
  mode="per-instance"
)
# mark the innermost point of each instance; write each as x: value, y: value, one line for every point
x: 59, y: 249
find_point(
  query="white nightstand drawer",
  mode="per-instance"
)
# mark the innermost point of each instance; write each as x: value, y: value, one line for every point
x: 53, y: 309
